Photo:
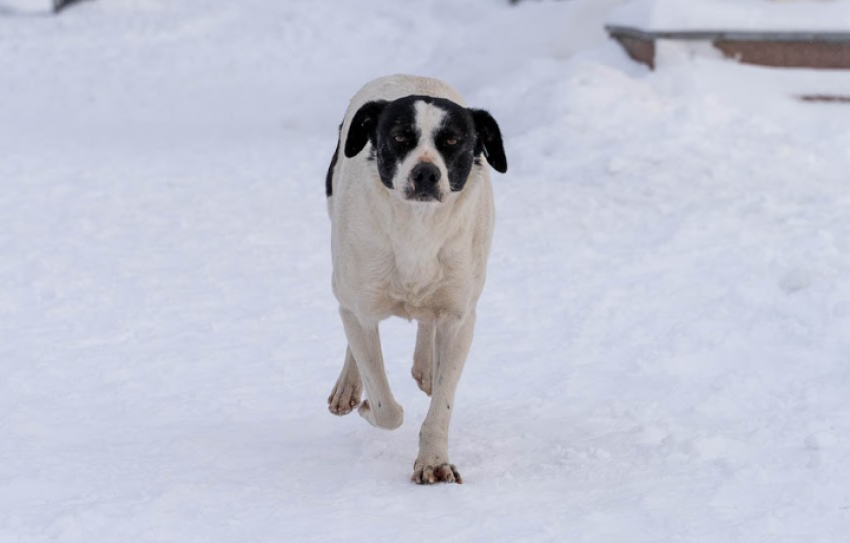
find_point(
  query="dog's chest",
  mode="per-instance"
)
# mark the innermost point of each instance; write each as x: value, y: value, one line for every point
x: 417, y: 272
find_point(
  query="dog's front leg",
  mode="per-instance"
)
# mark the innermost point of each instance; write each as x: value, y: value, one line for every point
x: 454, y: 337
x: 380, y: 409
x: 423, y: 356
x: 346, y: 393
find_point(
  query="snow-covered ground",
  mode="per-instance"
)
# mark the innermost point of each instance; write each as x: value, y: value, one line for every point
x: 663, y: 346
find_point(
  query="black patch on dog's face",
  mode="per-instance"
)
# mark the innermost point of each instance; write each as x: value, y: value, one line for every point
x: 455, y: 139
x: 398, y: 133
x: 394, y: 131
x: 396, y: 136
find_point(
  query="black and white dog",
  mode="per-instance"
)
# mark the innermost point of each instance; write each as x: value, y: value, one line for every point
x: 411, y: 208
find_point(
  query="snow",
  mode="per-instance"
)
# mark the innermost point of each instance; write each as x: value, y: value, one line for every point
x: 662, y: 350
x: 26, y: 7
x: 735, y: 15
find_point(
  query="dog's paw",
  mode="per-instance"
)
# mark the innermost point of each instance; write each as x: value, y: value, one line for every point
x: 385, y: 415
x: 344, y: 398
x: 422, y: 378
x: 442, y: 473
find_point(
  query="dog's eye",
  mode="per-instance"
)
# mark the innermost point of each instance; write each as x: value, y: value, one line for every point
x: 451, y: 141
x: 399, y: 138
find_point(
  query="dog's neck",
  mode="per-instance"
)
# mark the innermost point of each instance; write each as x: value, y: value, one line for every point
x: 426, y: 224
x: 423, y: 237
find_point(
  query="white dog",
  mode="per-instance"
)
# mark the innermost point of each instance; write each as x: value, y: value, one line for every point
x: 411, y: 208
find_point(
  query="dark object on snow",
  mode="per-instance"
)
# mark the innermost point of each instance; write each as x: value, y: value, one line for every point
x: 59, y: 5
x: 824, y: 50
x: 825, y: 98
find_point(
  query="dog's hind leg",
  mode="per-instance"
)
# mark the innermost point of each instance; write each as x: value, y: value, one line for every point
x: 346, y: 393
x: 380, y: 409
x: 453, y: 339
x: 423, y: 356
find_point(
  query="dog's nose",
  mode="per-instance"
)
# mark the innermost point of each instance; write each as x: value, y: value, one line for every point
x: 425, y: 175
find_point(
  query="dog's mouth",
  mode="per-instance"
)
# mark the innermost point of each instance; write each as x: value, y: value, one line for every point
x: 421, y: 192
x: 424, y: 196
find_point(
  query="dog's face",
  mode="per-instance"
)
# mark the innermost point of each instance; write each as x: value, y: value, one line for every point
x: 425, y: 147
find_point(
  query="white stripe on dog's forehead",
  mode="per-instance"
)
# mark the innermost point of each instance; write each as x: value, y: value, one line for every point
x: 428, y: 118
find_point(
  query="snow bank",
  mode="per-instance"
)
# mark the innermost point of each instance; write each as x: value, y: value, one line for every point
x: 26, y: 7
x: 741, y: 15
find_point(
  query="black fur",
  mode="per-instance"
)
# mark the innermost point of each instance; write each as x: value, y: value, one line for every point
x: 329, y: 177
x: 363, y: 127
x: 458, y: 125
x: 381, y: 123
x: 397, y: 120
x: 490, y: 138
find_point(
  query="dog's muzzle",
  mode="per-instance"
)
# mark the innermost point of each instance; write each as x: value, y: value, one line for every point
x: 424, y: 183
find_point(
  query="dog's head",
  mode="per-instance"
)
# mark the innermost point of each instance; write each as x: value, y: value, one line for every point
x: 425, y: 147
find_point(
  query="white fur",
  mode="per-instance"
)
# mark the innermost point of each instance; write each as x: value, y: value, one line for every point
x: 416, y: 260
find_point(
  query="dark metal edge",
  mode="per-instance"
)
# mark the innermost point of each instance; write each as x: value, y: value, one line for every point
x: 729, y: 35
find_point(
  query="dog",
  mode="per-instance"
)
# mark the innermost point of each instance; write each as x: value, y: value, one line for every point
x: 411, y: 208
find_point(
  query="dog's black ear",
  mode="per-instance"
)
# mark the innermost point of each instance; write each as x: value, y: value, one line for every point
x: 363, y: 127
x: 490, y: 139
